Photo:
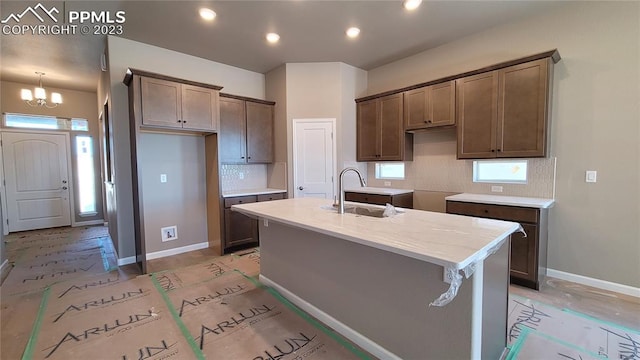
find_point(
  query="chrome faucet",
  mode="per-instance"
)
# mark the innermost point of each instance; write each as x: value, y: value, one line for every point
x: 362, y: 183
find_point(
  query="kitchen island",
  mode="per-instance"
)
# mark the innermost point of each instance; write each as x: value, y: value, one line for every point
x: 374, y: 279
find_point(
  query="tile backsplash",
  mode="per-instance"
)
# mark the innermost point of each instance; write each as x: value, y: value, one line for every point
x: 242, y: 177
x: 435, y: 168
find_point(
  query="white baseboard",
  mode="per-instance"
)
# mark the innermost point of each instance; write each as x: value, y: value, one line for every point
x: 4, y: 267
x: 597, y: 283
x: 330, y: 321
x: 127, y: 261
x: 176, y: 251
x: 87, y: 223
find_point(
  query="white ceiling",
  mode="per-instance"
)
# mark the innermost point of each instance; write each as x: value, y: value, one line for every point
x: 311, y: 31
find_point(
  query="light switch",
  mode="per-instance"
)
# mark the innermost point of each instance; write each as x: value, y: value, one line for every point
x: 387, y: 183
x: 591, y: 176
x: 163, y: 178
x: 496, y: 188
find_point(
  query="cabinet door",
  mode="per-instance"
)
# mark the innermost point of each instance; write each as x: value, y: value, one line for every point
x: 239, y: 229
x: 391, y: 129
x: 259, y: 133
x: 231, y: 136
x: 160, y: 103
x: 416, y: 109
x: 367, y: 133
x: 442, y: 104
x: 522, y: 110
x: 524, y: 257
x: 476, y: 99
x: 199, y: 108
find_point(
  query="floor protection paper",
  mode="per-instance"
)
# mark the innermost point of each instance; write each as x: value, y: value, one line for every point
x: 536, y: 329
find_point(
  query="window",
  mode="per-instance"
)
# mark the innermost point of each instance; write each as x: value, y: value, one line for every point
x: 45, y: 122
x: 500, y: 171
x: 390, y: 171
x: 86, y: 175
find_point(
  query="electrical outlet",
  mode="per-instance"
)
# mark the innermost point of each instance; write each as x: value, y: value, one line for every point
x: 163, y: 178
x: 496, y: 188
x: 241, y: 175
x: 169, y: 233
x: 387, y: 183
x: 591, y: 176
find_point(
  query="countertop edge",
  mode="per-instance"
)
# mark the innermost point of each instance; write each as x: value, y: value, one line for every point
x: 480, y: 255
x: 253, y: 192
x: 494, y: 200
x: 380, y: 191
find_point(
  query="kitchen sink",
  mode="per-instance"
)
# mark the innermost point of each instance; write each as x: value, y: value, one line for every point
x: 371, y: 211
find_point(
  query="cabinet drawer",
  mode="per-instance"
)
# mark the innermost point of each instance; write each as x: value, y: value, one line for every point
x: 239, y: 200
x: 367, y: 198
x: 501, y: 212
x: 269, y: 197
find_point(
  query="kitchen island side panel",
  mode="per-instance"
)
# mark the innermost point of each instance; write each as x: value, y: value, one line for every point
x: 383, y: 296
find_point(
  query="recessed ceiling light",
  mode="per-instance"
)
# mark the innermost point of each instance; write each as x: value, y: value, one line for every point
x: 411, y: 4
x: 207, y: 14
x: 353, y: 32
x: 273, y: 38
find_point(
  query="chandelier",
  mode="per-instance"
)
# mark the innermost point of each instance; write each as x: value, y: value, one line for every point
x: 40, y: 95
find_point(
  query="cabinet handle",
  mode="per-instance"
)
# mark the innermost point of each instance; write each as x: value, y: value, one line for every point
x: 241, y: 157
x: 486, y: 211
x: 499, y: 150
x: 493, y: 150
x: 184, y: 121
x: 429, y: 121
x: 179, y: 121
x: 426, y: 122
x: 248, y: 157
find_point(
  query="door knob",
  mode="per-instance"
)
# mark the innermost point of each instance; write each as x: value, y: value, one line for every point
x: 300, y: 188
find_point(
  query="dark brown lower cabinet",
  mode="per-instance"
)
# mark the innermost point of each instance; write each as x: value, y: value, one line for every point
x: 400, y: 200
x: 241, y: 231
x: 528, y: 253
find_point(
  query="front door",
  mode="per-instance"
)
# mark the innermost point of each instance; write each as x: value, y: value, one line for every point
x: 314, y: 158
x: 37, y: 180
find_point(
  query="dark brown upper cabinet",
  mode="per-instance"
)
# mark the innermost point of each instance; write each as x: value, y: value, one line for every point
x: 174, y: 105
x: 380, y: 130
x: 246, y: 131
x: 430, y: 106
x: 505, y: 113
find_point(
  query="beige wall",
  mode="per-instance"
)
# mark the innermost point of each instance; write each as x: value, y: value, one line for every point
x: 594, y: 228
x: 125, y: 53
x: 276, y: 90
x: 318, y: 90
x: 181, y: 201
x: 76, y: 104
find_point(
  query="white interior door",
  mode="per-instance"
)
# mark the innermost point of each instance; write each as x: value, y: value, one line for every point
x: 37, y: 180
x: 313, y: 157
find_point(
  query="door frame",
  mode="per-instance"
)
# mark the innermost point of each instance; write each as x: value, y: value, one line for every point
x: 70, y: 172
x: 331, y: 121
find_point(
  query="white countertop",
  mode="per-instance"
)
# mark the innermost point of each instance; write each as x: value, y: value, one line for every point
x: 247, y: 192
x: 442, y: 239
x: 379, y: 191
x: 503, y: 200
